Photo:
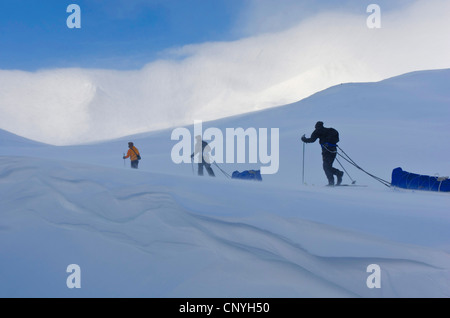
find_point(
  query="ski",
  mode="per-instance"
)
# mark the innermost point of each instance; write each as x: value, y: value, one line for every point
x: 350, y: 185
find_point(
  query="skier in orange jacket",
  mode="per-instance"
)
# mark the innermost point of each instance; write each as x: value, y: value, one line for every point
x: 133, y: 154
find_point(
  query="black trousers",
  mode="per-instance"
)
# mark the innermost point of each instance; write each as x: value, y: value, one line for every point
x: 208, y: 169
x: 328, y: 159
x: 134, y: 164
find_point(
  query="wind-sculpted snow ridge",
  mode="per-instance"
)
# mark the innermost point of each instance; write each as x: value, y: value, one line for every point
x: 144, y: 234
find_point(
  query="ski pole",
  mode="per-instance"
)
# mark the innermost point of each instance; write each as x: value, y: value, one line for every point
x: 303, y: 170
x: 192, y: 164
x: 353, y: 181
x: 124, y: 164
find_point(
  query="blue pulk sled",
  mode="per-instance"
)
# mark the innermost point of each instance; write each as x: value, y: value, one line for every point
x: 414, y: 181
x: 247, y: 175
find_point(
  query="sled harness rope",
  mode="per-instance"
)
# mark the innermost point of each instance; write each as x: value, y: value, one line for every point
x: 226, y: 174
x: 353, y: 163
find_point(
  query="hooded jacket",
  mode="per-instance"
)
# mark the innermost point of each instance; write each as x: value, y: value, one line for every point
x: 328, y: 137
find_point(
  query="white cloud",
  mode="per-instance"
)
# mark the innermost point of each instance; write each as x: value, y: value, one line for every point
x: 262, y: 16
x: 213, y: 80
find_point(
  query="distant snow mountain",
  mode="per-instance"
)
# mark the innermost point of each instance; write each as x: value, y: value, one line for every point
x: 210, y: 81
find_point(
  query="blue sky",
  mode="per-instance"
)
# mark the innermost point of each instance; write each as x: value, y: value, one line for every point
x: 114, y: 34
x: 127, y: 34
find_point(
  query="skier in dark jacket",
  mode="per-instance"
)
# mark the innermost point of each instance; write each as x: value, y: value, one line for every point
x: 328, y: 139
x: 202, y: 149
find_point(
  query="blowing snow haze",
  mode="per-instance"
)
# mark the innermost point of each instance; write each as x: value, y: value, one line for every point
x: 215, y: 79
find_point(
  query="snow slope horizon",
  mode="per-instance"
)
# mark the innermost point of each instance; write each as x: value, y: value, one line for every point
x: 161, y: 232
x: 214, y: 80
x: 360, y: 111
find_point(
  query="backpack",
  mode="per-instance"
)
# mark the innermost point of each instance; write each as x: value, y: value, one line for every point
x: 332, y: 136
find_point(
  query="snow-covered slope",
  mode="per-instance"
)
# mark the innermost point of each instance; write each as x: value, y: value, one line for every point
x: 161, y: 232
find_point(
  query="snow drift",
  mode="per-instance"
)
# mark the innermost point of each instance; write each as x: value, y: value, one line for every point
x: 161, y: 232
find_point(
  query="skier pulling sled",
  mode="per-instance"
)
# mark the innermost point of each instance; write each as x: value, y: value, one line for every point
x: 202, y: 149
x: 328, y: 139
